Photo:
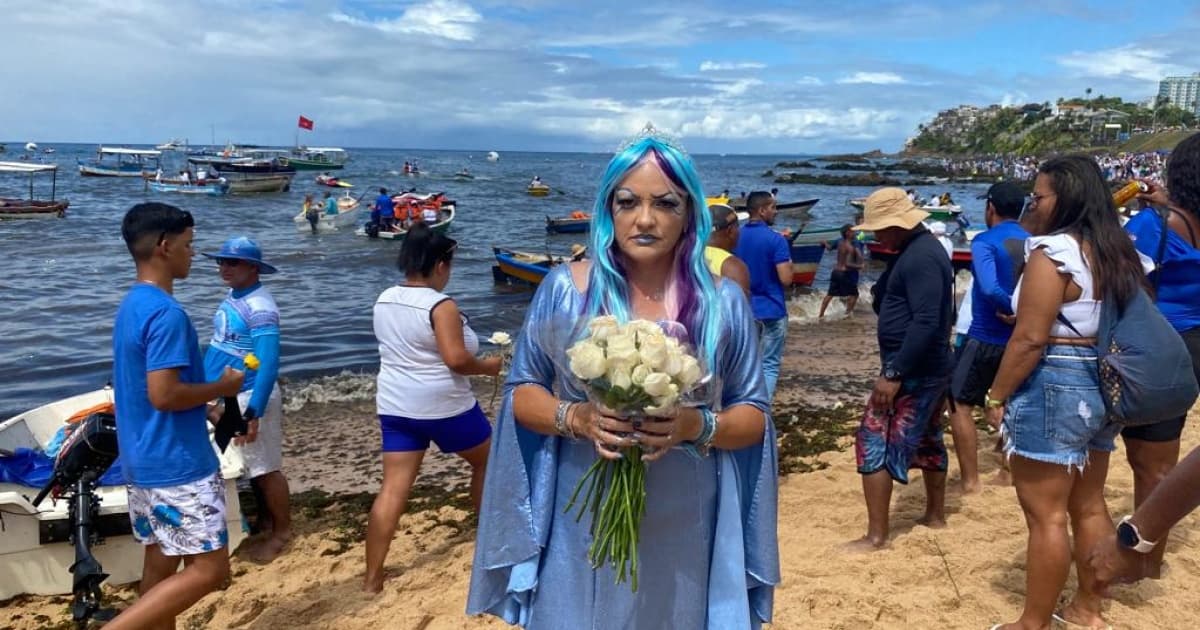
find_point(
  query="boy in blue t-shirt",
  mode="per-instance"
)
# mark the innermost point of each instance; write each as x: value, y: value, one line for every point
x: 176, y: 494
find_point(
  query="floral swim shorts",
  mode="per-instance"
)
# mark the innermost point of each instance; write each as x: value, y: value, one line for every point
x: 910, y: 436
x: 183, y: 520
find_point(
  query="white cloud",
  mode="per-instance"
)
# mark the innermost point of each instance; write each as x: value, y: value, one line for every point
x: 877, y: 78
x: 809, y: 80
x: 1125, y: 61
x: 719, y: 66
x: 449, y: 19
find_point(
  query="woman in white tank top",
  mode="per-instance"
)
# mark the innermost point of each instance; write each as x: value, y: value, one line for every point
x: 426, y: 352
x: 1047, y: 390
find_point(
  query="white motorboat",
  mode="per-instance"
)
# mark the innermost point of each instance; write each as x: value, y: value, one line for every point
x: 35, y: 554
x: 346, y: 217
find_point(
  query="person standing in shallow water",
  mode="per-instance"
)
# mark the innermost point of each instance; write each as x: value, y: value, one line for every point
x: 901, y: 428
x: 843, y: 280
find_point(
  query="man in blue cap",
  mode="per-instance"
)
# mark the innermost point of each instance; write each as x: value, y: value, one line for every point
x: 248, y: 322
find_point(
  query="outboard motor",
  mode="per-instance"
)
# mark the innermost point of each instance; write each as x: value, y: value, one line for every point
x: 85, y: 455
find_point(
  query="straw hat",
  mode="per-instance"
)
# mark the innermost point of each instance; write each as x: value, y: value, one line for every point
x: 890, y: 207
x: 577, y: 250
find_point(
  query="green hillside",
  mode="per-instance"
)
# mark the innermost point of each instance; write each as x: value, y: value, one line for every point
x: 1155, y: 141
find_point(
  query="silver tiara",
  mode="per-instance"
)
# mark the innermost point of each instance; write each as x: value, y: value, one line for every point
x: 652, y: 132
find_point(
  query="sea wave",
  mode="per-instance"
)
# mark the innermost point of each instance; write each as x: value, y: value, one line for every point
x: 346, y: 386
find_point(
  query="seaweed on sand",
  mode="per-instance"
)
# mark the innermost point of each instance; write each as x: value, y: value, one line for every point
x: 805, y: 431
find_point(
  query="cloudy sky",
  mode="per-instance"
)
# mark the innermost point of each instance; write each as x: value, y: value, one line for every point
x: 737, y: 77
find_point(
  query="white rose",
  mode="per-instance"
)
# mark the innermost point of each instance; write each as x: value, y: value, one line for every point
x: 665, y: 404
x: 674, y: 362
x: 622, y: 349
x: 657, y: 384
x: 652, y: 350
x: 587, y: 360
x: 645, y: 329
x: 500, y: 339
x: 619, y: 376
x: 639, y: 374
x: 689, y: 373
x: 603, y: 327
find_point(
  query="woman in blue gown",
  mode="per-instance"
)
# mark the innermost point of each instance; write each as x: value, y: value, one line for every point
x: 708, y: 550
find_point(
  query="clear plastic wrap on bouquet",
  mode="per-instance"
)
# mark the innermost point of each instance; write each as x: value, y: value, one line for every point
x: 638, y: 370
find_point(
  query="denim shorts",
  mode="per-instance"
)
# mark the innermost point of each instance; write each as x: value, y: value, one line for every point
x: 1057, y: 415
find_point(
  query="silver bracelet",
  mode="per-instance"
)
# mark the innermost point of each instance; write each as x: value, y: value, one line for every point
x: 560, y: 419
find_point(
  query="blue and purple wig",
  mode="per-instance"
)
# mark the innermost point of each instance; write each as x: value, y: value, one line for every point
x: 691, y: 294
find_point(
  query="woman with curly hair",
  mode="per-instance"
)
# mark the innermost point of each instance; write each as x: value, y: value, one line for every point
x: 1046, y: 393
x: 1153, y: 449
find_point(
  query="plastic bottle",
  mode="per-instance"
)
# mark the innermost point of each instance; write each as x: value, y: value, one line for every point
x: 1127, y: 192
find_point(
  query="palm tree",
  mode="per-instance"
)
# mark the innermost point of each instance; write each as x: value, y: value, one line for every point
x: 1088, y: 92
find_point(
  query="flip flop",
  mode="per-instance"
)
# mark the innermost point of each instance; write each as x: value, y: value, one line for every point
x: 1057, y: 616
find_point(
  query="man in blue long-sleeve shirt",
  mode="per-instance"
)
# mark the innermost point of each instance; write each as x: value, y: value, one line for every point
x: 901, y: 428
x: 997, y: 257
x: 248, y: 322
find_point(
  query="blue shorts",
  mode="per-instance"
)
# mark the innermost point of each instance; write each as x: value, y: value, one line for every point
x: 456, y: 433
x: 1057, y: 415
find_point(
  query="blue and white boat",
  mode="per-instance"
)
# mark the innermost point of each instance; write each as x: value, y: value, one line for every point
x: 120, y: 162
x: 211, y: 187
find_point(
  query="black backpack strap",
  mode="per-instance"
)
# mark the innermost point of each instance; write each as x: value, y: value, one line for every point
x: 1066, y: 322
x: 1162, y: 246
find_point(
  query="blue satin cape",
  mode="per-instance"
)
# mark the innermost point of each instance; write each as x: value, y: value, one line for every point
x: 708, y: 552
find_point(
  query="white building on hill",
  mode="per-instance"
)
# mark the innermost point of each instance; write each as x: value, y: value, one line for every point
x: 1182, y: 92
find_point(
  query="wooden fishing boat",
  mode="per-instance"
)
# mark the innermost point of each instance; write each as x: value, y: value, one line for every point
x: 569, y: 225
x: 936, y: 213
x: 442, y: 225
x: 123, y: 163
x: 807, y: 248
x: 30, y: 208
x: 317, y: 158
x: 522, y: 267
x: 959, y: 260
x: 212, y: 188
x: 347, y: 216
x: 35, y: 549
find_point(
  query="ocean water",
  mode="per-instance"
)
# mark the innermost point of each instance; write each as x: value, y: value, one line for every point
x: 66, y: 277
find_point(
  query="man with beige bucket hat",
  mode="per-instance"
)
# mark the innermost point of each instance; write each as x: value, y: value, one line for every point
x: 901, y: 428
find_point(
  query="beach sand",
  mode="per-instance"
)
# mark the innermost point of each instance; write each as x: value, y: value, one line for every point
x: 969, y: 575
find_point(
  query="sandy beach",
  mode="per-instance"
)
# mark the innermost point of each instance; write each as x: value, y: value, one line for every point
x: 969, y: 575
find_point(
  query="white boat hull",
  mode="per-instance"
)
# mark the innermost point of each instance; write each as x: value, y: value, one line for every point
x: 346, y: 217
x: 29, y: 566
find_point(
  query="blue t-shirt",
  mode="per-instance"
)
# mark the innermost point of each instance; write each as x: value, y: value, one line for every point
x: 762, y: 248
x: 997, y: 258
x: 158, y: 448
x: 383, y: 207
x: 1179, y: 277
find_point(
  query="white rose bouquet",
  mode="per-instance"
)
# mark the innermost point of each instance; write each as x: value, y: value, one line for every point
x: 634, y: 370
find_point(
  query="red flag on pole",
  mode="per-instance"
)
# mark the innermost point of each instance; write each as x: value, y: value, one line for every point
x: 306, y: 123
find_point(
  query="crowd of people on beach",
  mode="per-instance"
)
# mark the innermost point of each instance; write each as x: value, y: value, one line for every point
x: 1055, y: 271
x: 1148, y: 165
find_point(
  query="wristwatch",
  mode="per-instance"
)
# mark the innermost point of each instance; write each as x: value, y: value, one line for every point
x: 890, y: 373
x: 1130, y: 538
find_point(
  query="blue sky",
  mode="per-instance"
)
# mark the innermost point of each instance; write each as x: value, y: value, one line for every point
x: 737, y: 77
